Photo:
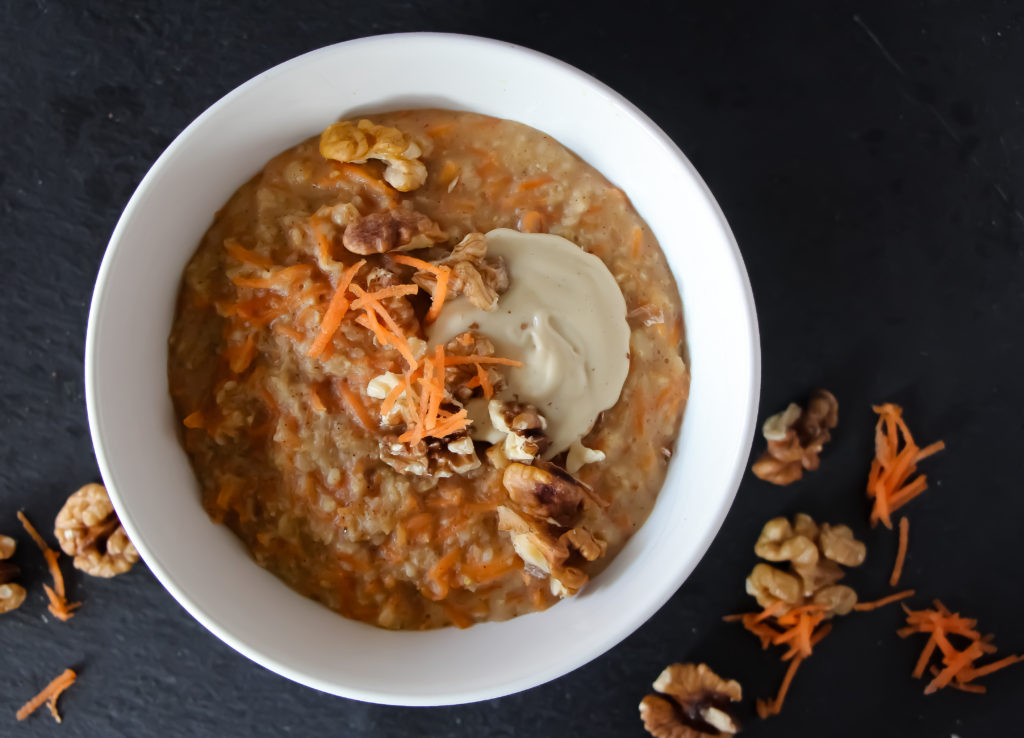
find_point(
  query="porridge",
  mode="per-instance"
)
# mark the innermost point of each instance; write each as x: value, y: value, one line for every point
x: 429, y: 368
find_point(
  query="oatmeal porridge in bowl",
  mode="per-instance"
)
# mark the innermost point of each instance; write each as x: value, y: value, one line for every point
x: 434, y: 387
x: 432, y: 434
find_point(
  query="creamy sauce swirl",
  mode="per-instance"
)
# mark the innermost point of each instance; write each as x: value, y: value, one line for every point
x: 564, y: 317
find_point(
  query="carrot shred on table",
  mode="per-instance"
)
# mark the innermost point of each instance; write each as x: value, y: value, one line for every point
x: 888, y: 486
x: 48, y: 695
x: 901, y: 552
x: 767, y: 708
x: 59, y: 606
x: 440, y: 292
x: 882, y: 602
x: 336, y: 310
x: 959, y: 669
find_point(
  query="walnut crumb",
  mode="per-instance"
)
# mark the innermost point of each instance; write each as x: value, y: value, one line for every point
x: 691, y: 701
x: 12, y: 595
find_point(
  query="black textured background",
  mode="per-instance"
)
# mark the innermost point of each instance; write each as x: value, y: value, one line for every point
x: 869, y: 158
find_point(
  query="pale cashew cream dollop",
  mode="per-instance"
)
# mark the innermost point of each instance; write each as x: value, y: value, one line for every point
x: 564, y: 317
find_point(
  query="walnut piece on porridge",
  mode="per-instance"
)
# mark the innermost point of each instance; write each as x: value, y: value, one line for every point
x: 691, y: 701
x: 479, y: 277
x: 396, y: 229
x: 544, y: 525
x: 463, y: 379
x: 796, y: 437
x: 523, y: 427
x: 88, y: 529
x: 545, y: 491
x: 11, y: 593
x: 345, y: 141
x: 437, y: 457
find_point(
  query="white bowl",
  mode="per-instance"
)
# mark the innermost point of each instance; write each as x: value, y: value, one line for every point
x: 207, y: 569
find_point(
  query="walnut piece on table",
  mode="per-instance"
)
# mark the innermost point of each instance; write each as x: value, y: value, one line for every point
x: 796, y: 437
x: 479, y: 277
x: 814, y: 553
x: 691, y: 701
x: 12, y: 594
x: 346, y: 141
x: 87, y: 528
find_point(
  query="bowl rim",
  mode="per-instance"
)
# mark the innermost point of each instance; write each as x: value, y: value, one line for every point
x: 633, y: 618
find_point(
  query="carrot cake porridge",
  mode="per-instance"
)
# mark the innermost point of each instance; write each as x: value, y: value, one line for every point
x: 429, y: 368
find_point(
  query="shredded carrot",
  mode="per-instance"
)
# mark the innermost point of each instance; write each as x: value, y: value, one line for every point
x: 397, y: 337
x: 959, y: 668
x: 888, y: 486
x: 531, y: 222
x: 390, y: 400
x: 239, y: 253
x: 356, y: 173
x: 194, y: 420
x: 636, y: 241
x: 316, y: 400
x: 440, y: 292
x: 335, y: 311
x: 460, y: 360
x: 59, y: 606
x: 766, y: 708
x: 533, y: 183
x: 901, y: 552
x: 397, y: 290
x: 412, y: 261
x: 279, y: 279
x: 438, y: 574
x: 356, y: 407
x: 240, y: 356
x: 866, y: 606
x: 485, y: 383
x: 48, y: 695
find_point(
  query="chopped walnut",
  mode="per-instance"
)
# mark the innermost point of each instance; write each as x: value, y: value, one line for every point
x: 544, y: 553
x: 523, y: 427
x: 88, y: 529
x: 795, y: 439
x: 545, y: 491
x: 692, y: 702
x: 778, y: 542
x: 456, y: 378
x: 583, y: 541
x: 479, y: 277
x: 838, y: 599
x: 356, y: 142
x: 396, y: 229
x: 431, y: 456
x: 12, y: 595
x: 839, y: 545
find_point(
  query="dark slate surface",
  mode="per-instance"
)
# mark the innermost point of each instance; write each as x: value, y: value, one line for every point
x: 869, y: 158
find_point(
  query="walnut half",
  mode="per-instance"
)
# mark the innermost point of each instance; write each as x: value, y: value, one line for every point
x: 396, y: 229
x: 88, y: 529
x: 795, y: 438
x: 692, y: 701
x: 345, y: 141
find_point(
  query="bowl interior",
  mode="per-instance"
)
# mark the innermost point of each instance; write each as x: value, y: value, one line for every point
x: 151, y: 483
